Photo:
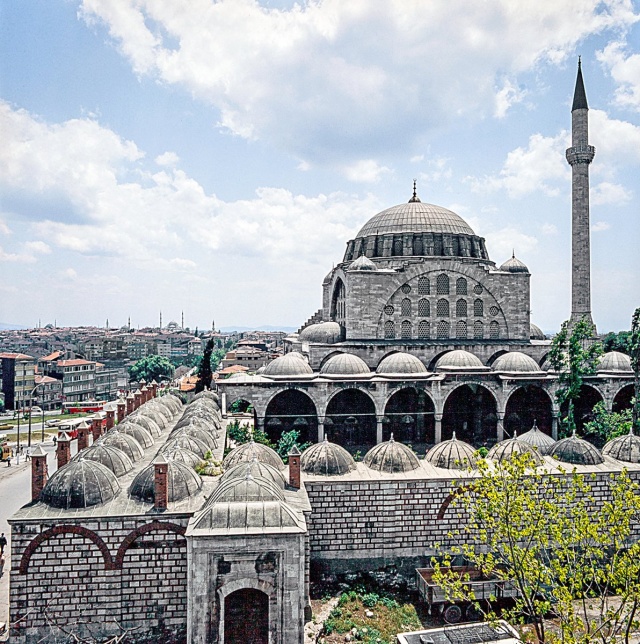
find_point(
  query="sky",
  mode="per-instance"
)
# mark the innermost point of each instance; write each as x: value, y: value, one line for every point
x: 215, y: 157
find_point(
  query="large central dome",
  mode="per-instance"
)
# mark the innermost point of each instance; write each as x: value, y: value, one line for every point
x: 415, y: 217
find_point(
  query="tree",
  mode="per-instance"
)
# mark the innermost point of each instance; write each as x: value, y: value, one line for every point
x: 607, y: 425
x: 560, y: 546
x: 286, y: 441
x: 634, y: 353
x: 574, y: 354
x: 151, y: 368
x: 616, y: 341
x: 204, y: 370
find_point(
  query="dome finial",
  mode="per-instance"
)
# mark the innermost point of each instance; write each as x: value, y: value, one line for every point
x: 513, y: 253
x: 414, y: 198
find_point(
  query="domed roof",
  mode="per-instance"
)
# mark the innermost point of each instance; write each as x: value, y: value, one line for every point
x: 538, y: 439
x: 614, y: 362
x: 326, y: 459
x: 137, y: 431
x: 256, y: 515
x: 257, y: 469
x: 186, y: 456
x: 415, y: 217
x: 247, y: 452
x: 185, y: 441
x: 363, y: 263
x: 401, y: 363
x: 514, y: 265
x: 182, y: 482
x: 289, y: 364
x: 323, y: 332
x: 111, y: 457
x: 211, y: 395
x: 207, y: 423
x: 624, y: 448
x: 577, y: 451
x: 535, y: 332
x: 345, y: 364
x: 147, y: 422
x: 124, y: 442
x: 391, y: 457
x: 460, y: 360
x: 516, y: 362
x: 80, y: 484
x: 246, y: 488
x: 507, y: 448
x: 202, y: 435
x: 452, y: 455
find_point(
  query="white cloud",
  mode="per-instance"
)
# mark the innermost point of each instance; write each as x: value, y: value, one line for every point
x: 599, y: 226
x: 609, y: 193
x: 38, y: 247
x: 21, y: 258
x: 617, y: 142
x: 167, y: 159
x: 625, y: 70
x: 302, y: 77
x: 365, y: 171
x: 4, y: 229
x: 416, y: 158
x: 507, y: 240
x: 549, y: 229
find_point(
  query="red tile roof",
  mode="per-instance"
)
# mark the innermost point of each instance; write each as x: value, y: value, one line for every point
x: 16, y: 356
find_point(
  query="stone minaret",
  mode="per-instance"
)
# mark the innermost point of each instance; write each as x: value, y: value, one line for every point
x: 579, y: 156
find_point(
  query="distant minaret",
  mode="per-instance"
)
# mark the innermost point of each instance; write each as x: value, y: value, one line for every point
x: 579, y: 156
x: 160, y: 320
x: 213, y: 325
x: 107, y: 325
x: 129, y: 323
x: 183, y: 320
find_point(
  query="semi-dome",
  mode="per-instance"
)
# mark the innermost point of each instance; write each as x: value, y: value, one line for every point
x: 345, y: 364
x: 80, y: 484
x: 327, y: 459
x: 460, y: 360
x: 257, y: 469
x: 248, y: 451
x: 246, y: 488
x: 505, y: 449
x: 517, y: 363
x: 577, y: 451
x: 401, y: 363
x: 391, y: 457
x: 535, y: 332
x: 128, y: 444
x: 540, y: 441
x: 452, y: 455
x: 288, y: 365
x: 109, y: 456
x: 514, y: 265
x: 614, y: 362
x: 182, y: 482
x: 137, y: 431
x: 323, y: 332
x: 363, y: 263
x: 624, y: 448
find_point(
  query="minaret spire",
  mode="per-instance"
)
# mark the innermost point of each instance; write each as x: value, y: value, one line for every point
x: 579, y: 156
x: 414, y: 198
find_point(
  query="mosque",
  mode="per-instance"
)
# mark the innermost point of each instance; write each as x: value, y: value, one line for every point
x: 423, y: 348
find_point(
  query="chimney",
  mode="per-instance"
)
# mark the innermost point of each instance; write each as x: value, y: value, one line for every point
x: 154, y: 388
x: 63, y: 449
x: 96, y: 427
x: 39, y: 472
x: 137, y: 399
x: 145, y: 394
x: 294, y: 467
x: 160, y: 486
x: 111, y: 419
x: 130, y: 402
x: 121, y: 409
x: 83, y: 435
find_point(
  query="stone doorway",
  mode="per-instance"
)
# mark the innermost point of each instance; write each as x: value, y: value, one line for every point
x: 246, y: 617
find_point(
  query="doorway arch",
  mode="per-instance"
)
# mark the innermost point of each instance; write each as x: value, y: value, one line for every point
x: 409, y: 415
x: 291, y: 409
x: 583, y: 406
x: 246, y: 617
x: 352, y: 415
x: 471, y: 412
x: 525, y: 405
x: 622, y: 400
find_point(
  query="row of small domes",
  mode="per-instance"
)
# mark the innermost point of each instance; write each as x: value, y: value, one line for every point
x: 347, y: 364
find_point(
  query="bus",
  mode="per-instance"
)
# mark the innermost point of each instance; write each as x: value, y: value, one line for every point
x: 84, y: 407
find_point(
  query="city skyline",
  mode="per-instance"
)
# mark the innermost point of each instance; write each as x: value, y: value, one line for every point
x: 215, y: 158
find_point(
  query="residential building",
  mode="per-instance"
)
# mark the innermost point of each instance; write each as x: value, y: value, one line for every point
x: 17, y: 371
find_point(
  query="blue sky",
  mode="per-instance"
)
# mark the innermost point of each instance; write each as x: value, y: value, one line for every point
x: 216, y: 157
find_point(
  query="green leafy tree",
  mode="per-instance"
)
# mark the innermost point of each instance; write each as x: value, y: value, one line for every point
x: 241, y: 434
x: 151, y: 368
x: 217, y: 357
x: 617, y: 342
x: 634, y: 353
x: 287, y: 441
x: 574, y: 354
x: 607, y: 425
x: 205, y: 372
x: 558, y: 545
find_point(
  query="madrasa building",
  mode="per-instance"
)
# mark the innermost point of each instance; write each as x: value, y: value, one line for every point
x: 421, y: 340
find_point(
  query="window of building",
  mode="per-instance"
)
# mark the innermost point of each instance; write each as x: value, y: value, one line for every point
x: 389, y: 330
x: 442, y: 330
x: 477, y: 289
x: 405, y: 288
x: 442, y: 308
x: 424, y: 330
x: 405, y: 330
x: 461, y: 330
x: 478, y: 330
x: 405, y: 307
x: 424, y: 309
x: 478, y: 308
x: 494, y: 310
x: 461, y: 308
x: 442, y: 284
x: 389, y: 310
x: 461, y: 286
x: 424, y: 286
x: 494, y: 330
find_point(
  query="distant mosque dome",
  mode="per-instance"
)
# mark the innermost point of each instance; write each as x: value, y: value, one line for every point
x: 514, y: 265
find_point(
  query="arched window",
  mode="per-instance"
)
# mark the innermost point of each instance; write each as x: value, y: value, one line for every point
x: 494, y: 330
x: 424, y: 330
x: 461, y: 330
x: 461, y: 286
x: 405, y: 330
x: 405, y: 307
x: 442, y: 284
x: 389, y: 330
x: 338, y: 303
x: 478, y: 308
x: 443, y: 330
x: 424, y: 310
x: 461, y: 308
x: 478, y: 330
x: 442, y: 308
x: 424, y: 286
x: 397, y: 246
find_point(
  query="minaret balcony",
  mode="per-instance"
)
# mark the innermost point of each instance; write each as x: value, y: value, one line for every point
x: 580, y: 154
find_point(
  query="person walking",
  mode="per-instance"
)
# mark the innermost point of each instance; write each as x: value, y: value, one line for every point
x: 3, y: 543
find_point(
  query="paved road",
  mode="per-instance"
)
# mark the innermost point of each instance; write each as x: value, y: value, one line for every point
x: 15, y: 491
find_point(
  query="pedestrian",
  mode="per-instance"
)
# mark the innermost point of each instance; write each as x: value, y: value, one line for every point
x: 3, y: 543
x: 8, y: 461
x: 28, y: 453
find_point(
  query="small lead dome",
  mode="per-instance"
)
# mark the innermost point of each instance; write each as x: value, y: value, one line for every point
x: 401, y: 363
x: 327, y: 459
x: 516, y: 362
x: 514, y: 265
x: 246, y: 489
x: 535, y: 332
x: 614, y: 362
x: 506, y: 449
x: 538, y: 439
x: 182, y: 482
x: 363, y: 263
x: 257, y: 469
x: 345, y: 364
x: 576, y: 451
x: 459, y: 360
x: 391, y: 457
x: 624, y: 448
x: 128, y: 444
x: 247, y: 452
x: 80, y: 484
x: 452, y: 455
x: 109, y: 456
x: 323, y: 332
x: 291, y: 364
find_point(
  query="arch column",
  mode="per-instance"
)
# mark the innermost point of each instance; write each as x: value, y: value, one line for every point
x: 320, y: 429
x: 259, y: 420
x: 500, y: 426
x: 438, y: 428
x: 379, y: 429
x: 554, y: 426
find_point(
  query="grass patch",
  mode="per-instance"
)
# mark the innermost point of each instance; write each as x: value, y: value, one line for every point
x: 389, y: 618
